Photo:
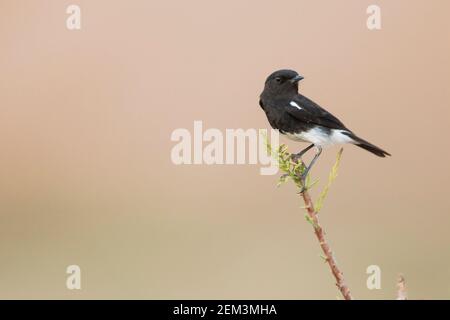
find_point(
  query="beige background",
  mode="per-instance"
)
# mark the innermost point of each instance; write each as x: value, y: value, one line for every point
x: 85, y: 170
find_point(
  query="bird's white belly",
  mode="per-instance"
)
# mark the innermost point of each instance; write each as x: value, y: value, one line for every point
x: 321, y: 137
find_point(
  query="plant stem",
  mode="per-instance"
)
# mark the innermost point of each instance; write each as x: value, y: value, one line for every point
x: 320, y: 234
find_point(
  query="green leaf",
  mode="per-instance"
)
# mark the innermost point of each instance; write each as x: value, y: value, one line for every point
x: 283, y: 179
x: 332, y: 176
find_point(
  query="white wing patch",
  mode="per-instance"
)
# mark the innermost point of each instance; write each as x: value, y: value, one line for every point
x: 294, y: 104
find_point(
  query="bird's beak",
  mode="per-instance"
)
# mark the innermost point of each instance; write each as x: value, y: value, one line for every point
x: 296, y: 79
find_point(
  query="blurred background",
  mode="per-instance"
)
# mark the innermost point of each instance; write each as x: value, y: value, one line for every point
x: 86, y: 176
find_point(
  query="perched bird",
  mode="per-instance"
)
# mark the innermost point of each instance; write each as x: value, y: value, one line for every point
x: 301, y: 119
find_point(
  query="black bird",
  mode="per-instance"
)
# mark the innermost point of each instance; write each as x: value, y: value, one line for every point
x: 301, y: 119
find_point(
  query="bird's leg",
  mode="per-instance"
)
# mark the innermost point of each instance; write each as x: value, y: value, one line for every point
x: 308, y: 168
x: 297, y: 156
x: 313, y: 161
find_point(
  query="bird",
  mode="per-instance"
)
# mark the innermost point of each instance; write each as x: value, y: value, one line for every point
x: 301, y: 119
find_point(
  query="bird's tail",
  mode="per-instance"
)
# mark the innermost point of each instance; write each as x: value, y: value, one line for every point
x: 369, y: 147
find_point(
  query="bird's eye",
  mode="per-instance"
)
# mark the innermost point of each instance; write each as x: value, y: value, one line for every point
x: 278, y: 79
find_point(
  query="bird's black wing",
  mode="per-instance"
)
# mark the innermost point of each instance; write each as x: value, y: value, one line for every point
x: 303, y: 109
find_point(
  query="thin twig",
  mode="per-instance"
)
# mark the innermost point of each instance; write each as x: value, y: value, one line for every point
x: 320, y: 234
x: 401, y: 288
x: 294, y: 170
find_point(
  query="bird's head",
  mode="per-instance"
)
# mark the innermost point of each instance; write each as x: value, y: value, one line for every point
x: 282, y: 82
